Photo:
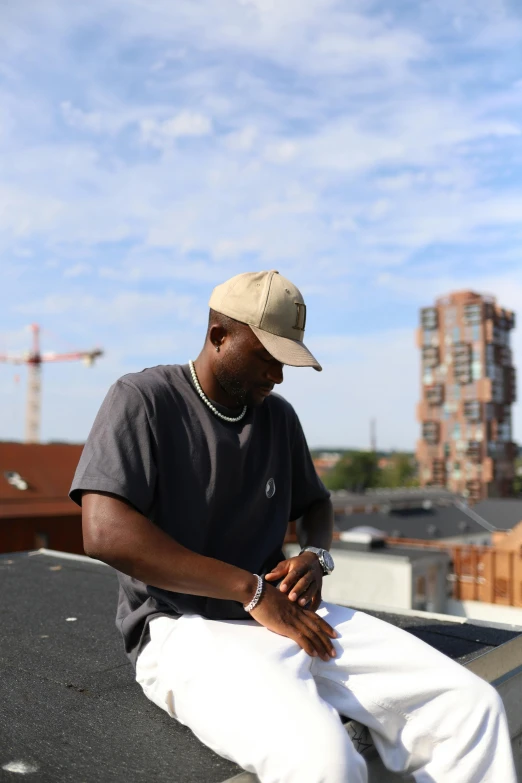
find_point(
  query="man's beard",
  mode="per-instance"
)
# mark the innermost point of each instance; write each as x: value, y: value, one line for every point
x: 234, y: 386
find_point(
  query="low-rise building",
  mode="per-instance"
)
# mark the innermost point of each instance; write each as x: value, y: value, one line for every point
x: 35, y: 510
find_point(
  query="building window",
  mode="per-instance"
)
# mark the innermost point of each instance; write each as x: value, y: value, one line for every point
x: 430, y: 356
x: 431, y: 432
x: 504, y: 432
x: 462, y: 363
x: 429, y: 318
x: 473, y: 313
x: 472, y: 410
x: 434, y: 395
x: 476, y: 370
x: 430, y: 337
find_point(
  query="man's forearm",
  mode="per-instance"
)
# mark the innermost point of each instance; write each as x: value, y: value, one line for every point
x: 316, y: 526
x: 120, y: 536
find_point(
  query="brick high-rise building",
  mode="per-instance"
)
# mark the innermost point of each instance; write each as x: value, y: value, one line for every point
x: 468, y: 387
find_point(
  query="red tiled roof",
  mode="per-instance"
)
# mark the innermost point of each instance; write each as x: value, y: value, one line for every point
x: 48, y: 468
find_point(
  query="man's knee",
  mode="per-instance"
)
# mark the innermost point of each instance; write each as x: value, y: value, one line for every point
x: 323, y: 754
x: 478, y: 698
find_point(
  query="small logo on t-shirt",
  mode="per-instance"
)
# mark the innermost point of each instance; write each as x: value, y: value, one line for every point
x: 270, y: 488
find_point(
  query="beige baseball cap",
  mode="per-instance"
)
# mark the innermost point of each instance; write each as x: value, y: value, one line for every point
x: 274, y: 309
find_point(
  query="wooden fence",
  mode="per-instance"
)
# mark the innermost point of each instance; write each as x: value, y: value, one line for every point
x: 480, y: 573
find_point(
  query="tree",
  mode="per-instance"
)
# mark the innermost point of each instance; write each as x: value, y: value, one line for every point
x: 355, y: 472
x: 400, y: 472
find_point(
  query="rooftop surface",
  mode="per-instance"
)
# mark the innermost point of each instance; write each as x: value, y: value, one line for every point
x: 71, y: 709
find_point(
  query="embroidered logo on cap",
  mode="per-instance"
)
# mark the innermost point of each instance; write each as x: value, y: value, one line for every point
x: 270, y: 488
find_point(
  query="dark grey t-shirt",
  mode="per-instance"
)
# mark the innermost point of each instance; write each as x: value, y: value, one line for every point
x: 225, y: 490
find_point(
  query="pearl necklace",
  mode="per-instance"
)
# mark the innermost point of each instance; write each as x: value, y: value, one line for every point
x: 207, y: 401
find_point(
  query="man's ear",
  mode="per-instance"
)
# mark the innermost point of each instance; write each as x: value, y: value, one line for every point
x: 217, y: 334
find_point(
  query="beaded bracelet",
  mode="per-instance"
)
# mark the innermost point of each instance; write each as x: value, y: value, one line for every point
x: 257, y: 595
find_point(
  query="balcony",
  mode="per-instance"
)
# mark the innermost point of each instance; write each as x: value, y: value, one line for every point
x: 473, y: 313
x: 429, y: 318
x: 435, y: 394
x: 510, y: 385
x: 474, y: 452
x: 474, y: 490
x: 462, y: 363
x: 473, y: 410
x: 431, y: 432
x: 430, y: 357
x: 438, y: 472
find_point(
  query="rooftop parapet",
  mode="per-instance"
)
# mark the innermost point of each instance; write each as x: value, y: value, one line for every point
x: 71, y: 709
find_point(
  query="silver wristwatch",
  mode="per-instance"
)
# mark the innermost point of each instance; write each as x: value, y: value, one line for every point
x: 324, y: 557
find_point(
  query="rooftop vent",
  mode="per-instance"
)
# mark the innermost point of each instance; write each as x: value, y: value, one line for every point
x: 15, y: 479
x: 364, y: 536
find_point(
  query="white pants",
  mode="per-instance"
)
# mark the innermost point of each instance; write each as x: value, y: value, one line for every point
x: 257, y: 699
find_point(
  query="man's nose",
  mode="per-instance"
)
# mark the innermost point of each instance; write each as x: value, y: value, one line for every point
x: 275, y: 372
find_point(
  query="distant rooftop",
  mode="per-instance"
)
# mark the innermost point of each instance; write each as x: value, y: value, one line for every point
x: 35, y: 479
x: 403, y: 497
x: 425, y: 514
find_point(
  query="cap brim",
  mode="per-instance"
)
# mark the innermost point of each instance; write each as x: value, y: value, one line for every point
x: 286, y: 351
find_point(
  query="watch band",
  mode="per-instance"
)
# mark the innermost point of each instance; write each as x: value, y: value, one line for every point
x: 327, y: 567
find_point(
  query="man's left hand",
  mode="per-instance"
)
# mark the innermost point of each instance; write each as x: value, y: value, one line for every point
x: 303, y: 579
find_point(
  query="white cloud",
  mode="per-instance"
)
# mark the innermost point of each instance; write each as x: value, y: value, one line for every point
x: 120, y: 309
x: 242, y: 140
x: 281, y: 152
x: 186, y: 123
x: 161, y: 148
x: 92, y: 121
x: 77, y: 270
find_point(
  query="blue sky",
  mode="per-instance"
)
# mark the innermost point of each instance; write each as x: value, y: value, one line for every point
x: 369, y: 151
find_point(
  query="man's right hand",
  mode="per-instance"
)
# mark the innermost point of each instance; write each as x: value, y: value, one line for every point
x: 287, y: 618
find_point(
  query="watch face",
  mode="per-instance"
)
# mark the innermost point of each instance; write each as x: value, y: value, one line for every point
x: 328, y: 561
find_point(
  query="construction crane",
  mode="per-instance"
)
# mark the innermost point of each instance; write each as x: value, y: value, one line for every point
x: 34, y: 359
